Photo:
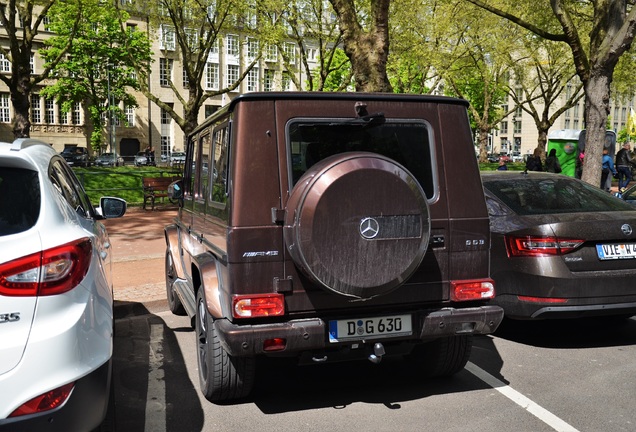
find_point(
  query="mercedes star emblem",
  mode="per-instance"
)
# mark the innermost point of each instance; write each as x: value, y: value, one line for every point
x: 627, y: 230
x: 369, y: 228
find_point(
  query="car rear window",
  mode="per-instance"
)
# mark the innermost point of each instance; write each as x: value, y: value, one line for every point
x: 528, y: 196
x: 19, y: 200
x: 406, y: 142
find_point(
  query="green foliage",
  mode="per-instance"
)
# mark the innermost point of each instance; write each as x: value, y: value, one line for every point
x: 100, y: 62
x: 339, y: 76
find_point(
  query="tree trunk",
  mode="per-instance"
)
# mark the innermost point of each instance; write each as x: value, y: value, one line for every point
x: 21, y: 105
x: 368, y: 50
x: 596, y: 113
x: 483, y: 145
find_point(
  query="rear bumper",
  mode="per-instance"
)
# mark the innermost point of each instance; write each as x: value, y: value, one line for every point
x: 574, y: 308
x: 84, y: 410
x: 311, y: 334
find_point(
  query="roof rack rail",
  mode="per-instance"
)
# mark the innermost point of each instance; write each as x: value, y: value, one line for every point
x: 22, y: 143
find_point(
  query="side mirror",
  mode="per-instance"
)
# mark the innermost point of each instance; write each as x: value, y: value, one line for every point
x: 111, y: 207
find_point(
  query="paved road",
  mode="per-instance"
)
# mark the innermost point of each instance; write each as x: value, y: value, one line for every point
x: 571, y: 376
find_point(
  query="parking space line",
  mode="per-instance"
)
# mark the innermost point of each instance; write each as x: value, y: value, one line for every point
x: 156, y: 393
x: 533, y: 408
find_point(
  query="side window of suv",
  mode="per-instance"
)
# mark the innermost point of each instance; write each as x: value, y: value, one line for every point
x: 220, y: 153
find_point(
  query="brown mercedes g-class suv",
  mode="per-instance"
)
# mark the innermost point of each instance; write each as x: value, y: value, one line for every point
x: 330, y: 227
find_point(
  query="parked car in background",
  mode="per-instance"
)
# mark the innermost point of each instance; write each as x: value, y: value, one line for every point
x: 504, y: 157
x: 56, y: 294
x: 517, y: 157
x: 109, y: 159
x: 76, y: 156
x: 141, y: 159
x: 560, y: 248
x: 493, y: 158
x: 177, y: 158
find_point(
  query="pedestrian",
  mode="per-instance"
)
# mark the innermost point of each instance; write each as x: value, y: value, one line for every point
x: 579, y: 165
x: 502, y: 165
x: 608, y: 167
x: 533, y: 162
x: 552, y: 162
x: 624, y: 163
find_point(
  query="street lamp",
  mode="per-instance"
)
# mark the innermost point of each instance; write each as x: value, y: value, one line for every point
x: 111, y: 124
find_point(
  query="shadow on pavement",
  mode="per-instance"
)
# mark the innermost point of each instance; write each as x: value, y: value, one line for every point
x: 283, y: 386
x: 571, y: 333
x: 151, y: 384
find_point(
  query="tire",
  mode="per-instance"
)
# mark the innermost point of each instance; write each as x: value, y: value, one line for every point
x: 221, y: 376
x: 174, y: 304
x: 442, y: 357
x: 357, y: 224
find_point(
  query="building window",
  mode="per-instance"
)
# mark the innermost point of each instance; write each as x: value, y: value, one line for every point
x: 63, y: 116
x: 36, y: 115
x: 576, y: 111
x: 167, y: 38
x: 252, y: 80
x: 232, y: 75
x: 165, y: 71
x: 290, y: 53
x: 286, y: 84
x: 271, y: 54
x: 192, y: 39
x: 5, y: 65
x: 252, y: 50
x: 232, y: 45
x: 268, y: 80
x: 517, y: 127
x: 130, y: 116
x: 77, y: 113
x: 210, y: 109
x: 49, y: 111
x: 504, y: 127
x: 211, y: 76
x: 567, y: 124
x: 166, y: 132
x: 4, y: 108
x: 46, y: 23
x: 186, y: 81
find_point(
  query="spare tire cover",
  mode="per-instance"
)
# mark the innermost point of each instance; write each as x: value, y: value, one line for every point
x: 357, y: 224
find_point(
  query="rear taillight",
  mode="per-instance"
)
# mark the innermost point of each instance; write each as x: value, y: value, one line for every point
x: 466, y: 290
x: 53, y: 271
x: 537, y: 246
x: 47, y: 401
x: 258, y: 305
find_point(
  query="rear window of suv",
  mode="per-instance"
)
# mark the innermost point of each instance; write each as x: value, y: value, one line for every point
x: 19, y: 200
x: 407, y: 142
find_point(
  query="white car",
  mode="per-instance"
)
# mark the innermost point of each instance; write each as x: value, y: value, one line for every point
x: 177, y: 158
x: 56, y: 294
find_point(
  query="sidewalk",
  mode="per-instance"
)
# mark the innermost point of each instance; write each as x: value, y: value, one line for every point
x: 138, y: 253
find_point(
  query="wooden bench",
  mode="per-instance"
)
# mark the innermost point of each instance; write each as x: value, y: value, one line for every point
x: 156, y: 187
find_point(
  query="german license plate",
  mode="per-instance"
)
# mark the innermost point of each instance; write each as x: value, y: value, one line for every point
x: 363, y: 328
x: 616, y: 251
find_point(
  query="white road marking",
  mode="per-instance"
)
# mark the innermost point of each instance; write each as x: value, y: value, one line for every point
x: 533, y: 408
x: 156, y: 394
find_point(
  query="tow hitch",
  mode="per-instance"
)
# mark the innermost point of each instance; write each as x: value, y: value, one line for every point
x: 378, y: 352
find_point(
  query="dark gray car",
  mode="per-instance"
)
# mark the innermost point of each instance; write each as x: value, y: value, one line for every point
x: 560, y: 247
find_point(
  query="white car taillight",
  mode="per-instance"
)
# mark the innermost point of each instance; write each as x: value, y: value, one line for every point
x: 50, y: 272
